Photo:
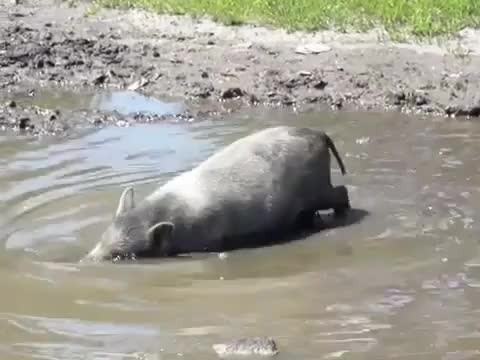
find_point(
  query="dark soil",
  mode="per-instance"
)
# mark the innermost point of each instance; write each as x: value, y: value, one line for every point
x: 214, y: 68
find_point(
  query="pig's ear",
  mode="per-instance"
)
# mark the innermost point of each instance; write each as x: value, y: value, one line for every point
x: 159, y: 237
x: 126, y: 201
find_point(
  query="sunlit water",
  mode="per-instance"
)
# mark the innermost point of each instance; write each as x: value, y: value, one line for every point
x: 123, y: 101
x: 400, y: 284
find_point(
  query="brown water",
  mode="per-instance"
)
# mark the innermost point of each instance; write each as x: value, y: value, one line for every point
x: 403, y: 283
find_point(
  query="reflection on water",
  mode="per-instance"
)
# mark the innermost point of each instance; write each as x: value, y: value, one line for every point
x: 401, y: 284
x: 124, y: 102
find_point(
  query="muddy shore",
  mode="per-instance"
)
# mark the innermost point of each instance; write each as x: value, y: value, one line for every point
x: 215, y: 68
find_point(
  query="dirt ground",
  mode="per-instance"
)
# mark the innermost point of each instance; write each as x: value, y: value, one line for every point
x: 45, y: 43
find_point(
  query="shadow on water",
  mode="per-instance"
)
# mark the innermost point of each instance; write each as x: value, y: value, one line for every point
x: 328, y: 220
x: 353, y: 216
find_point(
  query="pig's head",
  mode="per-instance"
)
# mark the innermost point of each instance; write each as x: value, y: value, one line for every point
x: 130, y: 235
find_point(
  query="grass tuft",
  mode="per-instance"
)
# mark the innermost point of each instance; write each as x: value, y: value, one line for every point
x: 422, y: 18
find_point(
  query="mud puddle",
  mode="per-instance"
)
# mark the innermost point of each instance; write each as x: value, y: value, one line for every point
x: 59, y: 111
x: 124, y: 102
x: 402, y: 283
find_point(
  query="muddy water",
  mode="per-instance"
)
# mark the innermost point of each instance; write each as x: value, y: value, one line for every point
x: 402, y: 283
x: 124, y: 102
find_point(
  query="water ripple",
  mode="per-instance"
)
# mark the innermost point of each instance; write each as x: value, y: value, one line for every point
x: 407, y: 285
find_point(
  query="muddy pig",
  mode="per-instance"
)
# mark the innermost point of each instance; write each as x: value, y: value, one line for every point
x: 272, y: 180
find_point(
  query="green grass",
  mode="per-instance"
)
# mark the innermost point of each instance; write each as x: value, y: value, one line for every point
x: 422, y: 18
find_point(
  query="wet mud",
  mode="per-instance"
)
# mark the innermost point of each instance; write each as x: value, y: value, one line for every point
x: 216, y: 69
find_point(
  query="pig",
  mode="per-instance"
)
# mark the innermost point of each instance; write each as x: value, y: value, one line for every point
x: 271, y: 181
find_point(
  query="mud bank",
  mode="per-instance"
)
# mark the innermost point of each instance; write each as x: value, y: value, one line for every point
x: 45, y: 43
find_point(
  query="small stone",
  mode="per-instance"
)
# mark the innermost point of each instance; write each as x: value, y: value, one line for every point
x: 40, y: 64
x: 272, y: 72
x: 232, y: 93
x: 338, y: 103
x: 291, y: 83
x: 287, y: 101
x: 453, y: 110
x: 263, y: 346
x: 253, y: 99
x: 362, y: 84
x: 421, y: 100
x: 138, y: 84
x: 12, y: 104
x: 246, y: 45
x: 99, y: 80
x: 204, y: 75
x: 23, y: 123
x: 305, y: 73
x: 312, y: 49
x: 459, y: 86
x: 202, y: 91
x: 398, y: 97
x: 320, y: 85
x: 312, y: 99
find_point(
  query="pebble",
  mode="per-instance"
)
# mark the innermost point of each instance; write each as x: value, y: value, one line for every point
x: 305, y: 73
x: 263, y: 346
x: 312, y: 49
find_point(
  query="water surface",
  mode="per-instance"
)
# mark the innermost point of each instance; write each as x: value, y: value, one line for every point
x: 401, y: 284
x: 122, y: 101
